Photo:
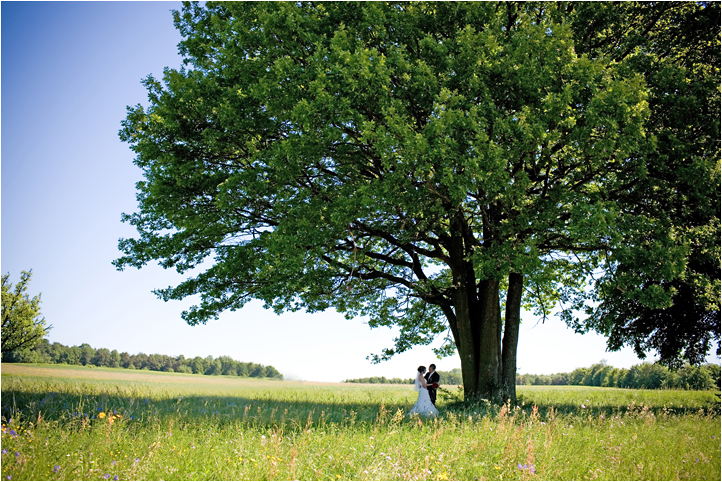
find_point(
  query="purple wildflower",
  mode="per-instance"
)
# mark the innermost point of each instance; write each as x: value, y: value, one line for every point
x: 106, y: 476
x: 56, y: 469
x: 137, y: 460
x: 5, y: 451
x: 115, y: 478
x: 17, y: 454
x: 519, y: 466
x: 532, y: 469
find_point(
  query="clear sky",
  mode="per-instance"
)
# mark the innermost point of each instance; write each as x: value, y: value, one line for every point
x: 69, y: 69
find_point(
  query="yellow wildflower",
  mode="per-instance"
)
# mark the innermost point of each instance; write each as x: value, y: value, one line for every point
x: 101, y: 415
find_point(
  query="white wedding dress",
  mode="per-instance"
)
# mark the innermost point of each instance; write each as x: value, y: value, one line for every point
x: 423, y: 405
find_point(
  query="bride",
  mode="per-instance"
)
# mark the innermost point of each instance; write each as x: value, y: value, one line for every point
x: 423, y: 405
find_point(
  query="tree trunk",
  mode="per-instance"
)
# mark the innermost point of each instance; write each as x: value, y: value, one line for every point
x: 489, y: 386
x: 511, y: 336
x: 466, y: 343
x: 488, y: 366
x: 477, y: 321
x: 465, y: 311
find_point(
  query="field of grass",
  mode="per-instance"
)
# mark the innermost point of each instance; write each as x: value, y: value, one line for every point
x: 75, y: 423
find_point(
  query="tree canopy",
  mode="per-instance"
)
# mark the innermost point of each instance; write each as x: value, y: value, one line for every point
x: 430, y: 166
x: 661, y: 287
x: 22, y: 323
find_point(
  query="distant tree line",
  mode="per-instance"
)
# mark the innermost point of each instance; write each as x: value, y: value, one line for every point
x: 645, y: 375
x: 45, y: 352
x: 447, y: 378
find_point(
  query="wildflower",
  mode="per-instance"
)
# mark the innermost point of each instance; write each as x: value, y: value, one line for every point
x: 518, y: 466
x: 532, y: 469
x: 115, y: 478
x: 10, y: 477
x: 17, y: 454
x: 101, y: 415
x: 5, y: 451
x: 583, y: 406
x: 137, y: 460
x: 56, y: 469
x: 106, y: 476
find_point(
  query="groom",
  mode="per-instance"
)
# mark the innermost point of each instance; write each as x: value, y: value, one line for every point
x: 432, y: 377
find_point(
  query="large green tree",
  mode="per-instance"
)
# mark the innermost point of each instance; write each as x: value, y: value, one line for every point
x: 22, y: 323
x: 432, y: 166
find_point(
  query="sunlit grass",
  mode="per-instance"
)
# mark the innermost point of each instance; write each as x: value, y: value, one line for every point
x: 197, y: 427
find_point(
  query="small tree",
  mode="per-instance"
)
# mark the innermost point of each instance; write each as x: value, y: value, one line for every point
x: 115, y: 359
x: 22, y: 323
x: 101, y: 358
x: 87, y: 354
x: 695, y: 378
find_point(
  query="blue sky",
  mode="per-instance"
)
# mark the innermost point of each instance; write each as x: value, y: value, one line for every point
x: 68, y: 72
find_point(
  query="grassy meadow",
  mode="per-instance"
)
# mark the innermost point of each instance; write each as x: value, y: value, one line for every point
x: 76, y: 423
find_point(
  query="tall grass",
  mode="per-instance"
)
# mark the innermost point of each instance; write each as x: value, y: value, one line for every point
x: 68, y: 427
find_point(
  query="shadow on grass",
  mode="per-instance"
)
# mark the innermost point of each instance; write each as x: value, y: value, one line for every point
x: 219, y: 411
x: 525, y: 404
x: 266, y: 412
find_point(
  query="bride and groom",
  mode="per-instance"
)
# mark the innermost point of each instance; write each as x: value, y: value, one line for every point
x: 426, y: 384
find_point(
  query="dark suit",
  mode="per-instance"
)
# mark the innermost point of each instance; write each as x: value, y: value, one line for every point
x: 432, y: 378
